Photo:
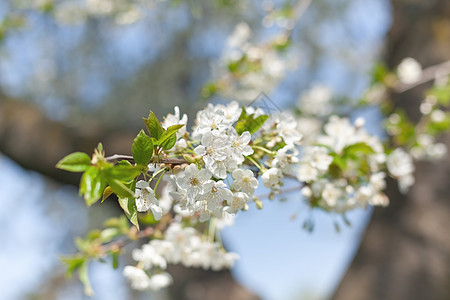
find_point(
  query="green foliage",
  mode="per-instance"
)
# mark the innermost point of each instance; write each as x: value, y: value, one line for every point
x: 129, y: 207
x: 121, y: 172
x: 92, y: 185
x: 442, y: 94
x: 249, y: 123
x: 75, y: 162
x: 169, y: 137
x: 153, y: 126
x: 142, y: 149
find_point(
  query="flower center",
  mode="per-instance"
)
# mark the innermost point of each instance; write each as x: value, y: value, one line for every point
x: 194, y: 181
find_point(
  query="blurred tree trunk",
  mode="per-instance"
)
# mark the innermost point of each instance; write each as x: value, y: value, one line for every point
x: 405, y: 253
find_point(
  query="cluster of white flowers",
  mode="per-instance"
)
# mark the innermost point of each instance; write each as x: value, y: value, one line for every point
x: 258, y: 67
x: 202, y: 191
x: 180, y: 245
x: 338, y: 163
x: 352, y: 187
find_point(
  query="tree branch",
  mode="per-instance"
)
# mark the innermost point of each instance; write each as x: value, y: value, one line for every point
x: 171, y: 161
x: 433, y: 72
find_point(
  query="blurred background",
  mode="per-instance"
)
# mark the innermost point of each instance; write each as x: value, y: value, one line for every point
x: 66, y: 85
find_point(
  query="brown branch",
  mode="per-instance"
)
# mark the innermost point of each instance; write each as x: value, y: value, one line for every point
x: 147, y: 232
x: 171, y: 161
x: 433, y: 72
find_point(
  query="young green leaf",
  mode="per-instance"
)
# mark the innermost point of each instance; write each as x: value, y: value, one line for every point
x: 142, y: 148
x: 84, y: 278
x: 168, y: 137
x: 170, y: 142
x: 129, y: 207
x: 106, y: 193
x: 75, y: 162
x: 358, y: 149
x: 119, y: 188
x: 122, y: 172
x: 115, y: 259
x: 92, y: 185
x: 73, y: 263
x: 153, y: 126
x: 255, y: 124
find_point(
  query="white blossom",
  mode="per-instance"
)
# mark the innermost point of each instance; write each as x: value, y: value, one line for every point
x: 145, y: 199
x: 244, y: 181
x: 160, y: 280
x: 287, y: 129
x: 271, y: 178
x: 238, y: 201
x: 149, y: 257
x: 286, y: 158
x: 192, y: 181
x: 138, y: 278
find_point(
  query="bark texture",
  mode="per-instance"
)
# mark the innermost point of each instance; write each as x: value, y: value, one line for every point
x: 405, y: 253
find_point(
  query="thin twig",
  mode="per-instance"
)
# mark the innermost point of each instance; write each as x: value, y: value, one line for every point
x: 147, y: 232
x: 173, y: 161
x: 285, y: 191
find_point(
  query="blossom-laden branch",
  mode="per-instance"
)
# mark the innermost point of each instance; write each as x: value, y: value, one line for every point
x: 204, y: 177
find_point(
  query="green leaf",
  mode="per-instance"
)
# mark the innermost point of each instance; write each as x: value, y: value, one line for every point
x: 106, y: 193
x: 73, y: 263
x: 142, y: 149
x: 119, y: 188
x: 129, y: 207
x: 115, y: 259
x: 170, y: 142
x: 248, y: 123
x: 84, y: 278
x: 243, y: 115
x: 255, y: 124
x: 153, y: 126
x: 75, y: 162
x: 147, y: 219
x: 167, y: 138
x: 358, y: 149
x: 122, y: 172
x: 92, y: 185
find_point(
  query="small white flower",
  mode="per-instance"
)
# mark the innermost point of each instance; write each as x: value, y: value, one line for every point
x: 331, y: 194
x: 287, y: 129
x: 239, y: 144
x: 271, y: 178
x: 160, y: 281
x: 149, y: 257
x: 244, y: 181
x: 215, y: 193
x: 399, y: 163
x: 285, y: 158
x: 239, y: 201
x: 317, y: 157
x: 307, y: 173
x: 192, y: 181
x: 138, y: 278
x: 145, y: 199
